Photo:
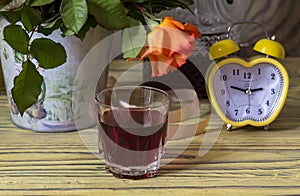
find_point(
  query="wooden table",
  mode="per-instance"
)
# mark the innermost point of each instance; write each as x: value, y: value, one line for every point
x: 246, y: 161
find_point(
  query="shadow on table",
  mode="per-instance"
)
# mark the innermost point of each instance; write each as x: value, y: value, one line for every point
x: 289, y: 118
x: 193, y: 156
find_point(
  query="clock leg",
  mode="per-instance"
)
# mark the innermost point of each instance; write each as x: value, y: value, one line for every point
x: 266, y: 128
x: 228, y: 127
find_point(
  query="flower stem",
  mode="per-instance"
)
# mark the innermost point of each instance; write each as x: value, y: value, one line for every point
x: 30, y: 37
x: 141, y: 9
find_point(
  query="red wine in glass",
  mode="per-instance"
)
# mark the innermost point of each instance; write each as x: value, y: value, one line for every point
x: 133, y: 138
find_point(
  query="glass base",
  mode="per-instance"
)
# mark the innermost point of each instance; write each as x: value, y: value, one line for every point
x: 135, y: 172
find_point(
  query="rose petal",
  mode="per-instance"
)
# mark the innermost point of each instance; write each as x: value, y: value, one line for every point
x: 192, y: 29
x: 171, y: 22
x: 159, y: 65
x: 169, y: 45
x: 168, y: 40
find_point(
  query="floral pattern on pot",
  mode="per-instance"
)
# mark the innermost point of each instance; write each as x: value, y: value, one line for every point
x: 53, y: 112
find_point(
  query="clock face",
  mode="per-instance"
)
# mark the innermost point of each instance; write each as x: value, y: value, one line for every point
x: 251, y: 93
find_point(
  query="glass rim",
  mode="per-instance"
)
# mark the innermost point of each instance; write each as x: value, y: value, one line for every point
x: 166, y: 101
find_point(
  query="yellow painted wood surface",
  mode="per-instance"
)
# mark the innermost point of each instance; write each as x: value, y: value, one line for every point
x: 248, y: 161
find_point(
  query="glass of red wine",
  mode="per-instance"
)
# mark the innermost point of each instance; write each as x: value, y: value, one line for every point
x: 132, y: 129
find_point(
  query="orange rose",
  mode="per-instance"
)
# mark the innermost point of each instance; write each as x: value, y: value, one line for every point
x: 169, y: 45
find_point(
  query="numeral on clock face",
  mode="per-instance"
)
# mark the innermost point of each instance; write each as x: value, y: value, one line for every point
x: 235, y: 72
x: 247, y: 75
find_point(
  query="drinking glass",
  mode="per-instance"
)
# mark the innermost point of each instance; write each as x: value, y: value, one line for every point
x: 132, y: 129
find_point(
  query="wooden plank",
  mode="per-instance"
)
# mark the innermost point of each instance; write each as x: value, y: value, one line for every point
x: 246, y: 161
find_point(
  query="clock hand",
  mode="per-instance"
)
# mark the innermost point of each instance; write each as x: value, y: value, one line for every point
x: 256, y: 89
x: 249, y: 99
x: 238, y: 88
x: 248, y: 90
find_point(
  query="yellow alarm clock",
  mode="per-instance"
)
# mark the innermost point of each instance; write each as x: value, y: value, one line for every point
x: 247, y: 91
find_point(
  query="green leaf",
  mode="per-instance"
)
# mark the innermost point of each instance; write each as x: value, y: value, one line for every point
x: 4, y: 3
x: 133, y: 41
x: 30, y: 18
x: 49, y: 23
x: 74, y: 14
x: 40, y: 2
x: 90, y: 23
x: 48, y: 53
x: 17, y: 38
x: 11, y: 16
x: 49, y: 28
x: 65, y: 31
x: 1, y: 7
x: 27, y: 87
x: 11, y: 4
x: 156, y: 6
x: 150, y: 22
x: 110, y: 14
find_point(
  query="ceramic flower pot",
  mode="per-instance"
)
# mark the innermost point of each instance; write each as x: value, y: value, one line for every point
x: 53, y: 112
x: 2, y: 85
